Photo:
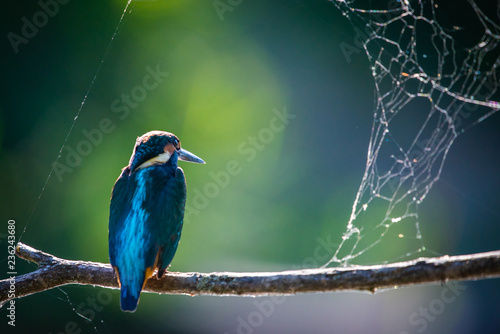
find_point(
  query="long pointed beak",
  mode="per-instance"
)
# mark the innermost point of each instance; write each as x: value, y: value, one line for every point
x: 188, y: 156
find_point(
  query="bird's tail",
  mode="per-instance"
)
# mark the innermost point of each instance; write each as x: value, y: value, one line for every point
x: 130, y: 291
x: 129, y: 297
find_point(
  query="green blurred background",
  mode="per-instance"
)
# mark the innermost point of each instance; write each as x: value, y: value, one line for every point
x: 229, y: 77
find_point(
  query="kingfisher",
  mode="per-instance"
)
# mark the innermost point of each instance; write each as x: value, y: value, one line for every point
x: 146, y: 213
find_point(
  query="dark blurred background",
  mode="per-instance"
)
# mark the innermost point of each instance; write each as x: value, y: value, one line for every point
x: 232, y: 75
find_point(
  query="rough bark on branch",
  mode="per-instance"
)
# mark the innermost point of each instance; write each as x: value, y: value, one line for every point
x: 54, y: 272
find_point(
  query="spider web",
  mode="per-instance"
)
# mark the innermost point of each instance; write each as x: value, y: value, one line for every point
x: 435, y: 67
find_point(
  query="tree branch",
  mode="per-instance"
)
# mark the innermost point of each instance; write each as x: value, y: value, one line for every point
x: 54, y: 272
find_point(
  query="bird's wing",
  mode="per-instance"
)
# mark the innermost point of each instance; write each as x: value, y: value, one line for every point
x: 133, y: 219
x: 120, y: 202
x: 170, y: 213
x: 132, y: 247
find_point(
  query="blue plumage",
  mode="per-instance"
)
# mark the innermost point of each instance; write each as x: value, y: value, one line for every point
x: 146, y: 213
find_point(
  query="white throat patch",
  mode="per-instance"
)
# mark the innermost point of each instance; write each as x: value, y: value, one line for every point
x: 158, y: 160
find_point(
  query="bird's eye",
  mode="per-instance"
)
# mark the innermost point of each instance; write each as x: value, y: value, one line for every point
x: 176, y: 144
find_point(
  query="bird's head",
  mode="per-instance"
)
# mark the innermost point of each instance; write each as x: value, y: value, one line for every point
x: 157, y: 147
